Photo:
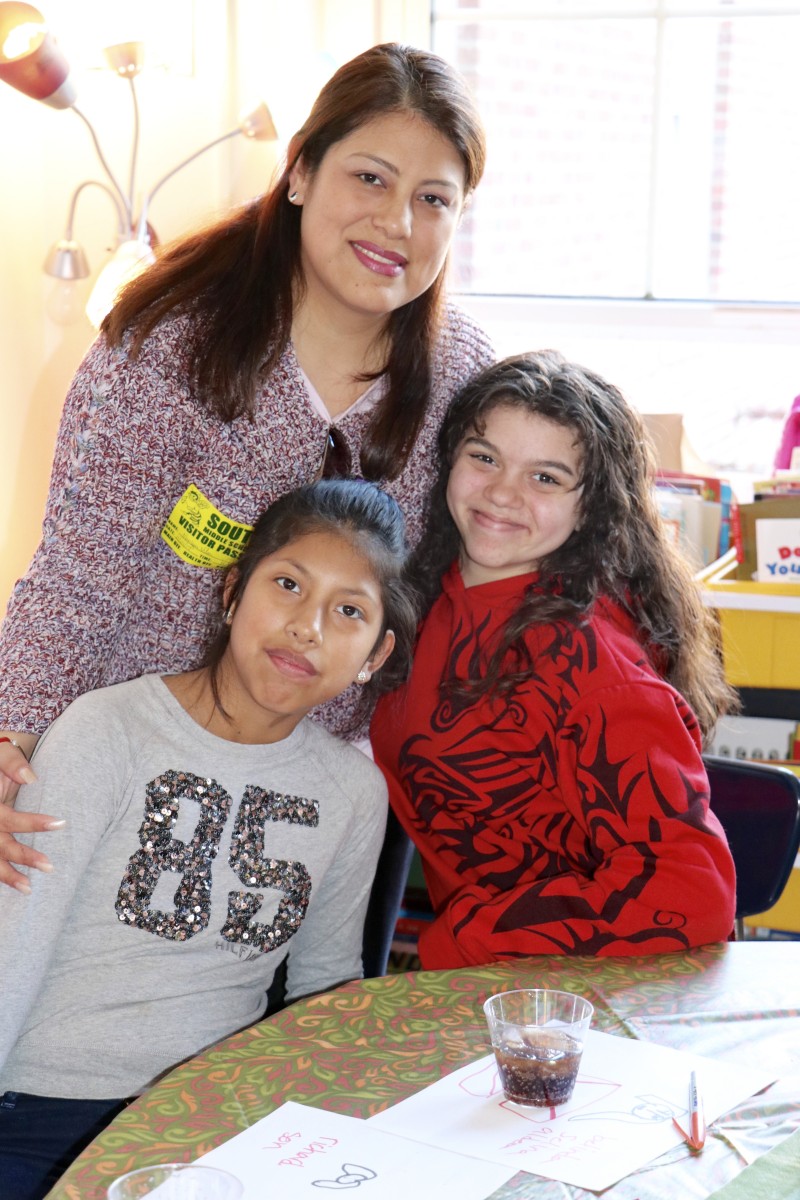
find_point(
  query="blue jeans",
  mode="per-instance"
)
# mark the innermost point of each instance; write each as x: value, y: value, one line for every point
x: 41, y: 1135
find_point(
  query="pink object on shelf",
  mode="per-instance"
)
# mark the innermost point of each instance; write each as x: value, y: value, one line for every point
x: 790, y: 437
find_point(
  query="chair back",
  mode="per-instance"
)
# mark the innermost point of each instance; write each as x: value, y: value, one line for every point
x: 386, y: 897
x: 758, y: 806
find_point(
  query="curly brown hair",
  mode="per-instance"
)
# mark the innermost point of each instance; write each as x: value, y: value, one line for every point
x: 620, y: 549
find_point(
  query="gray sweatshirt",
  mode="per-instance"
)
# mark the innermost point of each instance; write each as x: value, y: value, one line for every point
x: 190, y: 867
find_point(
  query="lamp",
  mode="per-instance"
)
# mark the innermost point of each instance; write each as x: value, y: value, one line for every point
x: 66, y: 259
x: 31, y: 62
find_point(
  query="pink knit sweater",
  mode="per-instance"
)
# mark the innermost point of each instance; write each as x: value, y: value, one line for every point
x: 106, y: 598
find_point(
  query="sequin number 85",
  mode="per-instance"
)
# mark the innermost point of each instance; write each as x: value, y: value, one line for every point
x: 193, y: 861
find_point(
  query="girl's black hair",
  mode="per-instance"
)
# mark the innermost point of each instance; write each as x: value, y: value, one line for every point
x: 620, y: 548
x: 373, y: 522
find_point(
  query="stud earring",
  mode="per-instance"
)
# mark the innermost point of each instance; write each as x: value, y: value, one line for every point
x: 227, y: 616
x: 363, y: 676
x: 293, y: 197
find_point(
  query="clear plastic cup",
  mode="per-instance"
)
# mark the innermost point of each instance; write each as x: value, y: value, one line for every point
x: 176, y: 1181
x: 537, y: 1037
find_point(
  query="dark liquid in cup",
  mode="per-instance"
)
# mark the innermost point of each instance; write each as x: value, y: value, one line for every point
x: 542, y: 1071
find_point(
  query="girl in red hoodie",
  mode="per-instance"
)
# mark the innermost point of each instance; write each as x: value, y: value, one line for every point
x: 545, y: 755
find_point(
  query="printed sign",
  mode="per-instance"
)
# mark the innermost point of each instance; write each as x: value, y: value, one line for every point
x: 778, y: 550
x: 201, y: 535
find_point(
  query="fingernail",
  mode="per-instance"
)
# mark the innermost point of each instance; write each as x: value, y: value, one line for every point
x: 45, y: 866
x: 25, y: 888
x: 56, y: 824
x: 27, y: 775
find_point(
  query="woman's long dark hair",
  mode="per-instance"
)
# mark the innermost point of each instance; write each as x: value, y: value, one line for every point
x: 238, y: 277
x: 620, y: 549
x: 369, y: 518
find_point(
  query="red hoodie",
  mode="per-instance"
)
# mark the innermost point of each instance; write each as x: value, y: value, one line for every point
x: 569, y: 818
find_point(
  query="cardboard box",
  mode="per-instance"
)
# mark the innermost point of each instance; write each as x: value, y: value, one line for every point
x: 746, y: 518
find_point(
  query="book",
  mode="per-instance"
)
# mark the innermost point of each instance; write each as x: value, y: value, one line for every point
x: 670, y: 509
x: 782, y: 483
x: 704, y: 533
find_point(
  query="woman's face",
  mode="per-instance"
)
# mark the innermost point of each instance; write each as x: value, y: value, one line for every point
x: 306, y: 623
x: 514, y: 493
x: 379, y: 215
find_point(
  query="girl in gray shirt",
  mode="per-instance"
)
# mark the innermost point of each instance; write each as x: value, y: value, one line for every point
x: 214, y: 831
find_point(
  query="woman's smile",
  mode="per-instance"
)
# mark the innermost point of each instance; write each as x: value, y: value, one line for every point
x: 385, y: 262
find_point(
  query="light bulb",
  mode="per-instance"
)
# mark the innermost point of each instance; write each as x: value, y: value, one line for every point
x: 23, y: 39
x: 64, y: 304
x: 128, y: 261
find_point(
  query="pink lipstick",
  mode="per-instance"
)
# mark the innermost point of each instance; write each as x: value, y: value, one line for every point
x: 382, y: 262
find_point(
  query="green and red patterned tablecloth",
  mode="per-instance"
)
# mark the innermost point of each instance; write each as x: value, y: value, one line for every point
x: 367, y: 1045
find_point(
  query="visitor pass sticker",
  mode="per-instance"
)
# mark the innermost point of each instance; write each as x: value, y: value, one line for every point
x: 201, y: 535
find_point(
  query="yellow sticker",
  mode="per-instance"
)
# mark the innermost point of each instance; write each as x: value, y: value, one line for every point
x: 201, y: 535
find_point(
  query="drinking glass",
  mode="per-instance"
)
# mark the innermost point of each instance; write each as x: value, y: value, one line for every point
x: 176, y: 1181
x: 537, y: 1037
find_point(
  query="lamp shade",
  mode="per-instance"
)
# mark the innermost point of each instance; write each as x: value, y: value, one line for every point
x: 30, y: 60
x: 67, y: 260
x: 126, y: 58
x: 258, y: 124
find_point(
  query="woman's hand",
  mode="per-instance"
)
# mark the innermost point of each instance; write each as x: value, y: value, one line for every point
x: 15, y: 770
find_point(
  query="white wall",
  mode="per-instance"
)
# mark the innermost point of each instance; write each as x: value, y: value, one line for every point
x: 46, y: 153
x: 228, y: 55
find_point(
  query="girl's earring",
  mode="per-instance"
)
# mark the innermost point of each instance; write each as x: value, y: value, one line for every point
x: 293, y: 197
x: 227, y: 616
x: 363, y: 675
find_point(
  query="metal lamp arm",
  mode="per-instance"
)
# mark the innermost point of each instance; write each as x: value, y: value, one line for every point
x: 149, y: 197
x: 123, y: 227
x: 126, y: 204
x: 134, y: 149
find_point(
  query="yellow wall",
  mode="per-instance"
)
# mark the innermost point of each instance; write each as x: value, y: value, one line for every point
x: 241, y: 50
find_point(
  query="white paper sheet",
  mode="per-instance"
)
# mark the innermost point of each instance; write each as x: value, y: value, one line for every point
x: 619, y: 1117
x: 299, y: 1153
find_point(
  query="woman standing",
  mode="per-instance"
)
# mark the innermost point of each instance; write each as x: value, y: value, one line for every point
x: 305, y: 335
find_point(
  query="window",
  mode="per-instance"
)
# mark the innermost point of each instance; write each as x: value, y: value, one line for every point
x: 640, y: 151
x: 635, y: 149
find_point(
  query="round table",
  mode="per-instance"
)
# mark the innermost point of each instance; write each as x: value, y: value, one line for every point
x: 371, y: 1043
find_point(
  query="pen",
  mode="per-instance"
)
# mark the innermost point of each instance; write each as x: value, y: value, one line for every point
x: 696, y: 1137
x: 697, y: 1120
